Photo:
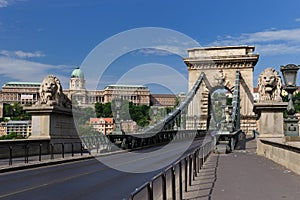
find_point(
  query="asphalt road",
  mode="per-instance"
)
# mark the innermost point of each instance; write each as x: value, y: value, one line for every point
x: 91, y: 179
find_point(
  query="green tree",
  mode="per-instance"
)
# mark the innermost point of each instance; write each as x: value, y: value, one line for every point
x: 11, y: 136
x: 87, y: 114
x: 103, y: 110
x: 296, y: 98
x: 15, y: 112
x: 107, y: 112
x: 138, y: 113
x: 98, y: 109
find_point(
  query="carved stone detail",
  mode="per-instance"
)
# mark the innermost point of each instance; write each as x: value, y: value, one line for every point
x: 269, y: 86
x: 51, y: 93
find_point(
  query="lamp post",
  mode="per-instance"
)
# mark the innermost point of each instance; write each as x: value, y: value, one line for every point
x: 118, y: 128
x: 195, y: 122
x: 290, y: 75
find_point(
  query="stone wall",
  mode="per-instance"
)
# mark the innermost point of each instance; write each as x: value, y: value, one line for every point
x: 285, y: 154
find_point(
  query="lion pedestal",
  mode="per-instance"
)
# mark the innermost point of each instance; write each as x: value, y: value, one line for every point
x: 270, y: 123
x: 56, y: 124
x: 52, y: 122
x: 52, y: 116
x: 270, y: 106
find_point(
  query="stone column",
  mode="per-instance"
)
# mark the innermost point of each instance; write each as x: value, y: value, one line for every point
x: 270, y: 123
x: 54, y: 123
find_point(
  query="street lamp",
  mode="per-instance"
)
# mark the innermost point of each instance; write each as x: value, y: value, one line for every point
x: 195, y: 122
x: 290, y: 75
x: 118, y: 128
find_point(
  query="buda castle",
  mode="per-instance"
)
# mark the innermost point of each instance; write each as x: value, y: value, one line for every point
x: 28, y: 93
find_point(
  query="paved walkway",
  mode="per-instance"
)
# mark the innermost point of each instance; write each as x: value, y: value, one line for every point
x: 243, y: 175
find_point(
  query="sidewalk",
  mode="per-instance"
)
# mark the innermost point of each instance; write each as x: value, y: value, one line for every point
x: 243, y: 175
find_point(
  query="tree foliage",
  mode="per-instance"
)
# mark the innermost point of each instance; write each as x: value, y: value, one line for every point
x: 296, y: 98
x: 128, y: 110
x: 103, y: 110
x: 11, y: 136
x: 15, y: 112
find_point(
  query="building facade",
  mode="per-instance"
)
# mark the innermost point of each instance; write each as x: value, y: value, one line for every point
x: 22, y: 128
x: 20, y: 92
x: 163, y: 100
x: 28, y: 92
x: 102, y: 125
x: 129, y: 126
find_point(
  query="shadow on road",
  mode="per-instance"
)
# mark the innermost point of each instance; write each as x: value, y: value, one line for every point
x: 203, y: 185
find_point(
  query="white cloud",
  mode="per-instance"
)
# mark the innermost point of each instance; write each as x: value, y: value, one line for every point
x: 152, y: 51
x: 22, y: 54
x: 23, y: 70
x: 162, y: 50
x: 278, y: 49
x: 271, y: 42
x: 5, y: 3
x: 297, y: 20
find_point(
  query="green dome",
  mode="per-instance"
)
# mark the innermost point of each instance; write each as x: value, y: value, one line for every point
x: 77, y: 73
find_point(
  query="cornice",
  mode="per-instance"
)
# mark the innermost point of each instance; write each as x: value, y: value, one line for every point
x: 234, y: 62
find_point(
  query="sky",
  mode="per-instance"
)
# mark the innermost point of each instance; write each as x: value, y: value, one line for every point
x: 41, y: 37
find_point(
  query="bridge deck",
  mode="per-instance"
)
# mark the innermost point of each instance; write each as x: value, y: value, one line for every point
x: 244, y: 175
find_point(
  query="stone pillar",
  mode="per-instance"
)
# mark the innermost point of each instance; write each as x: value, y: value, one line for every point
x: 220, y: 65
x: 270, y: 123
x: 54, y: 123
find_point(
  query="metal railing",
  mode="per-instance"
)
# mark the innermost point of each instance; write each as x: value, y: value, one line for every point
x: 175, y: 180
x: 39, y: 151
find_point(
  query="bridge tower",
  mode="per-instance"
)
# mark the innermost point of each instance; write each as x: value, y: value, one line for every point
x: 219, y: 65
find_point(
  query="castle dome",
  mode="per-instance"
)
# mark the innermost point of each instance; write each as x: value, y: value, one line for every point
x: 77, y: 73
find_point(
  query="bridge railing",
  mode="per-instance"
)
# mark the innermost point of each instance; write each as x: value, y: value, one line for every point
x: 106, y: 143
x: 26, y: 152
x: 175, y: 179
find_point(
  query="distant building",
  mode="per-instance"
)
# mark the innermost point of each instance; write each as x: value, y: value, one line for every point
x: 163, y: 100
x: 19, y: 127
x: 20, y: 92
x: 129, y: 126
x: 137, y: 94
x: 28, y: 92
x: 3, y: 128
x: 255, y: 94
x: 102, y: 125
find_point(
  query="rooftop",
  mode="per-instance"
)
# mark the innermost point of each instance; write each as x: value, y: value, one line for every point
x: 126, y: 86
x: 77, y: 73
x: 21, y: 84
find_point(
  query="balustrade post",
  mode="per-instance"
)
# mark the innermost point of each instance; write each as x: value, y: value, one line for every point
x: 40, y: 152
x: 180, y: 180
x: 173, y: 183
x: 62, y: 150
x: 10, y: 155
x: 185, y: 174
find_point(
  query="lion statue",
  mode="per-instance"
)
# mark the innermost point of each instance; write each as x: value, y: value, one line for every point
x: 269, y: 86
x: 51, y: 93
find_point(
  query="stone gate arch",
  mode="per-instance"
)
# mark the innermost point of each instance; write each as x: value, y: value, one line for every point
x: 220, y: 65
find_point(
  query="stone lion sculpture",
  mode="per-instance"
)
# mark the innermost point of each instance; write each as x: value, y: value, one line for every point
x: 51, y: 93
x: 269, y: 86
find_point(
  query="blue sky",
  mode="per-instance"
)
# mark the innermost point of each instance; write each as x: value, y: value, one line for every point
x: 40, y: 37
